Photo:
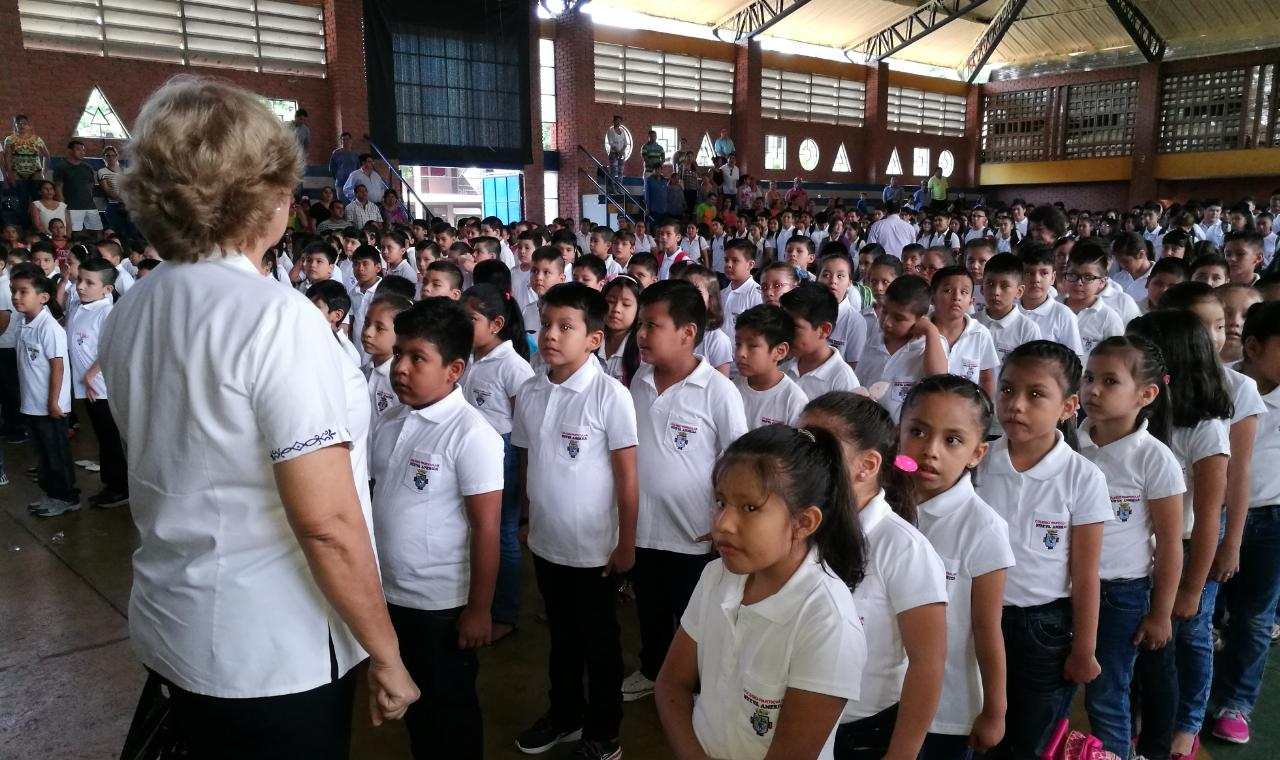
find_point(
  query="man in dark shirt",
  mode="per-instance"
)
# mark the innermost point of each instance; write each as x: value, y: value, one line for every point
x: 74, y: 181
x: 342, y: 162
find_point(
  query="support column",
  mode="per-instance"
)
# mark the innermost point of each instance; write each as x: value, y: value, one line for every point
x: 744, y: 124
x: 531, y: 193
x: 876, y: 123
x: 575, y: 93
x: 968, y: 163
x: 348, y: 85
x: 1146, y: 132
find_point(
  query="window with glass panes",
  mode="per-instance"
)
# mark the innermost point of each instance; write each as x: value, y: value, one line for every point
x: 930, y: 113
x: 1100, y: 119
x: 639, y: 77
x: 1013, y: 126
x: 547, y: 80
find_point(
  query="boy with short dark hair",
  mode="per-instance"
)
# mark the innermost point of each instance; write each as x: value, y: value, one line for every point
x: 526, y: 243
x: 46, y: 390
x: 576, y: 427
x: 1085, y: 278
x: 95, y: 285
x: 1243, y: 252
x: 977, y: 252
x: 545, y: 272
x: 742, y: 292
x: 1174, y: 244
x: 1056, y: 322
x: 906, y: 348
x: 437, y: 466
x: 761, y: 343
x: 687, y: 414
x: 1164, y: 274
x: 590, y: 271
x: 600, y: 245
x: 668, y: 251
x: 1211, y: 269
x: 442, y: 279
x: 643, y: 268
x: 971, y: 352
x: 334, y: 303
x: 1002, y: 287
x: 622, y: 248
x: 817, y: 367
x: 316, y: 264
x: 111, y: 251
x: 366, y: 273
x: 379, y: 338
x: 799, y: 254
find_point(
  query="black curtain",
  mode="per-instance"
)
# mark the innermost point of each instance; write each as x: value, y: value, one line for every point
x: 449, y: 81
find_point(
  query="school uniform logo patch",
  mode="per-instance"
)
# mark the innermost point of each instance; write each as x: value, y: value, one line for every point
x: 384, y: 401
x: 482, y: 396
x: 902, y: 388
x: 1123, y: 506
x: 33, y: 353
x: 421, y: 471
x: 573, y: 443
x: 1050, y: 531
x: 761, y: 717
x: 682, y: 435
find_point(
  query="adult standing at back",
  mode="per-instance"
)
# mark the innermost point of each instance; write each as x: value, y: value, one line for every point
x: 367, y: 176
x: 255, y: 589
x: 892, y: 192
x: 616, y: 138
x: 724, y: 146
x: 75, y: 181
x: 342, y: 161
x: 892, y: 232
x: 25, y: 155
x: 938, y: 187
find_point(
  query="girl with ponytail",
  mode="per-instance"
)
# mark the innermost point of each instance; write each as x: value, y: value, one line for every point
x: 902, y: 599
x: 790, y: 550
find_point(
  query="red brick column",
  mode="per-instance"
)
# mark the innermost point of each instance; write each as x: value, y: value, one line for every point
x: 575, y: 93
x: 967, y: 164
x: 348, y: 85
x: 744, y: 125
x: 1146, y: 132
x: 876, y: 122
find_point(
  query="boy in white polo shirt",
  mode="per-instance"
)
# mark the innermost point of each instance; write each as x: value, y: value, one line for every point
x: 686, y: 414
x: 769, y: 395
x: 94, y: 285
x: 379, y: 339
x: 46, y: 390
x: 849, y: 336
x: 1085, y: 278
x: 366, y: 271
x: 1001, y: 288
x: 437, y: 500
x: 112, y: 252
x: 971, y: 353
x: 1056, y: 322
x: 906, y: 348
x: 817, y: 367
x: 743, y: 292
x: 578, y: 429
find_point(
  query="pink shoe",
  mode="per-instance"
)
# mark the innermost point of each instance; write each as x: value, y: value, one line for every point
x: 1195, y: 748
x: 1231, y: 726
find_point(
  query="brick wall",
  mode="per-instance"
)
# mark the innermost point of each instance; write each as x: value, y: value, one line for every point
x: 1091, y: 195
x: 52, y: 87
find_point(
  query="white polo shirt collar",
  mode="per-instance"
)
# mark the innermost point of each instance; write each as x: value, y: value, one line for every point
x: 949, y: 500
x: 578, y: 381
x: 784, y: 604
x: 699, y: 377
x: 871, y: 515
x: 442, y: 409
x: 1049, y: 467
x: 1119, y: 447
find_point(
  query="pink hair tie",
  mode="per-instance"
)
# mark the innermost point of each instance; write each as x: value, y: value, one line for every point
x: 905, y: 463
x: 1166, y: 379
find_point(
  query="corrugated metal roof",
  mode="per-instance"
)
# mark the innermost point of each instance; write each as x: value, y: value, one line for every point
x: 1045, y: 29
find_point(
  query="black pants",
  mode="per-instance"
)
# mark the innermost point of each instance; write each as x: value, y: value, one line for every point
x: 311, y: 725
x: 866, y: 738
x: 584, y: 633
x: 946, y: 747
x: 1037, y: 641
x: 115, y: 471
x: 663, y: 582
x: 56, y: 472
x: 445, y: 722
x: 10, y: 398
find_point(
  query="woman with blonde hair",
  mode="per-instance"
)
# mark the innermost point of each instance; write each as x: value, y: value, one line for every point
x: 255, y: 590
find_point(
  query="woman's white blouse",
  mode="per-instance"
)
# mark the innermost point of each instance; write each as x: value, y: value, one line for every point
x: 208, y: 399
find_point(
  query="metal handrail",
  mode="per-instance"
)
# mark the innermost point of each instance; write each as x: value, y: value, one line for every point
x: 396, y: 172
x: 612, y: 181
x: 609, y: 198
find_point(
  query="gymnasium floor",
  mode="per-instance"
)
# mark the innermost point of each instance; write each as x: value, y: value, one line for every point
x: 70, y: 683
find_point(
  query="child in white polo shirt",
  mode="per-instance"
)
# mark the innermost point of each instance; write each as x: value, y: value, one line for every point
x: 46, y: 390
x: 945, y: 421
x: 366, y: 271
x: 1056, y: 322
x: 907, y: 346
x: 379, y: 339
x: 771, y: 643
x: 817, y: 367
x: 1125, y: 434
x: 687, y: 413
x: 769, y: 395
x: 1055, y: 502
x: 971, y: 353
x: 578, y: 428
x: 716, y: 347
x: 849, y: 336
x: 334, y: 302
x: 901, y: 601
x: 1085, y: 278
x: 94, y: 285
x: 437, y: 502
x: 1002, y: 287
x: 499, y: 366
x: 743, y: 292
x: 545, y: 272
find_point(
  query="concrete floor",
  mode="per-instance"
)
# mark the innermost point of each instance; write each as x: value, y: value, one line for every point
x: 69, y: 681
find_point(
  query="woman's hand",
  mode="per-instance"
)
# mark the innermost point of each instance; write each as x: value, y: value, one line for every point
x: 391, y: 691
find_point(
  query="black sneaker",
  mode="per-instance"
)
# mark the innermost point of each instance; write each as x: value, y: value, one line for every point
x: 108, y: 499
x: 545, y: 734
x: 591, y: 749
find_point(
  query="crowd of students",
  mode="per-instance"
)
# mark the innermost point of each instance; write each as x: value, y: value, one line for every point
x: 846, y: 484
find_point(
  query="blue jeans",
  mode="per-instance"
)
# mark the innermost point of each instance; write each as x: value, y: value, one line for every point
x: 1257, y: 589
x: 1106, y: 699
x: 1037, y: 641
x: 615, y: 168
x: 506, y: 595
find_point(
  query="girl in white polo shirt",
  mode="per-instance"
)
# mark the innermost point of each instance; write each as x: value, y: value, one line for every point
x: 902, y: 599
x: 1055, y: 502
x: 1202, y: 409
x: 499, y: 366
x: 771, y: 623
x: 944, y: 428
x: 1128, y: 425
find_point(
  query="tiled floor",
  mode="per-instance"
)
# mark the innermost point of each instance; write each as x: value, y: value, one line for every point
x: 69, y: 682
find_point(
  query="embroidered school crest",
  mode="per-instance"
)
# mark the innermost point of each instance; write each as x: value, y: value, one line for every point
x: 481, y: 397
x: 681, y: 440
x: 33, y: 353
x: 573, y: 443
x: 1051, y: 538
x: 420, y: 472
x: 420, y: 478
x: 682, y: 435
x: 762, y: 709
x: 1123, y: 506
x: 760, y: 722
x: 573, y: 449
x: 384, y: 401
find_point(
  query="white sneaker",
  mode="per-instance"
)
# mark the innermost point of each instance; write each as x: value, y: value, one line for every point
x: 93, y: 467
x: 636, y: 686
x: 83, y: 463
x: 51, y: 507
